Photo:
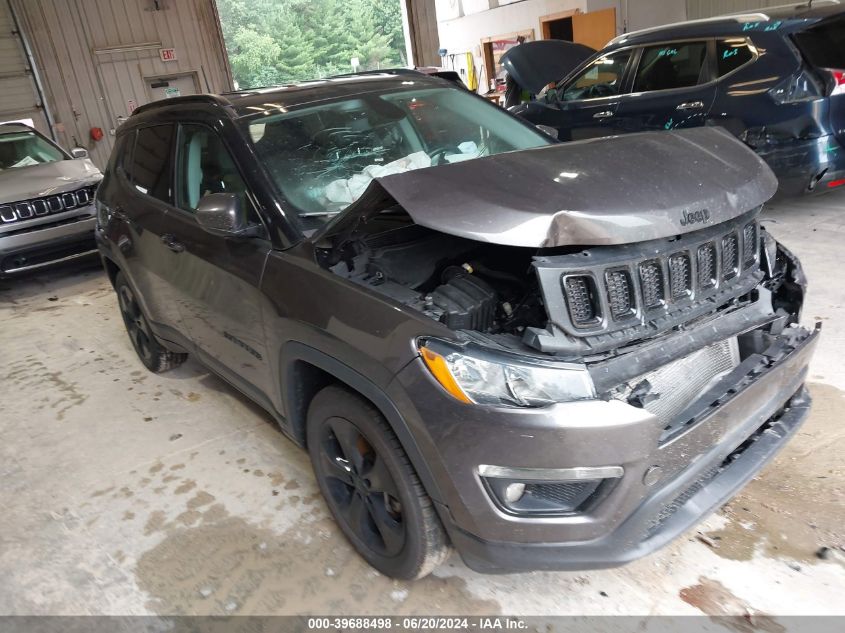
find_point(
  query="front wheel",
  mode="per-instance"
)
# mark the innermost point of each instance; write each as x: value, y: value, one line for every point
x: 371, y: 487
x: 155, y: 357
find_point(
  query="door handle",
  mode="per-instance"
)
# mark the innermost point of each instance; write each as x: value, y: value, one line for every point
x: 170, y: 242
x: 604, y: 114
x: 691, y: 105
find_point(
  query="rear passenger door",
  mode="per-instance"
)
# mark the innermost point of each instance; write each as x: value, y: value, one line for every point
x: 673, y: 87
x: 144, y: 178
x: 217, y: 278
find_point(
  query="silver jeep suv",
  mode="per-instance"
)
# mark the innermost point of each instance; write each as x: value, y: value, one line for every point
x: 46, y: 201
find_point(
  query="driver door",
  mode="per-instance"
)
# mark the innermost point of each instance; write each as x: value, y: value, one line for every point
x: 216, y: 278
x: 588, y: 103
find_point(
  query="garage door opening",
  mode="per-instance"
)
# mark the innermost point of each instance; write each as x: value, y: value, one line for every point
x: 284, y: 41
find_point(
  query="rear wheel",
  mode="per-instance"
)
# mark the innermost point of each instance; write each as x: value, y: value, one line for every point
x: 155, y: 357
x: 371, y: 487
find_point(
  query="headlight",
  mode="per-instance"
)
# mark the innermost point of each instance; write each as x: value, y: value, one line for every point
x: 476, y: 375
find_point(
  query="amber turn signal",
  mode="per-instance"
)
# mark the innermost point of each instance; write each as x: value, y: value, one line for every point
x: 440, y: 370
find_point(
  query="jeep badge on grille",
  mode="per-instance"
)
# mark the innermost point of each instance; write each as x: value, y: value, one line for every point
x: 694, y: 217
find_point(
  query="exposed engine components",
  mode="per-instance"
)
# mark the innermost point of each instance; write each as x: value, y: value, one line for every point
x: 466, y: 301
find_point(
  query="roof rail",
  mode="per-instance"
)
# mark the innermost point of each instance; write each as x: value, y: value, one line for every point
x: 738, y: 17
x: 793, y: 5
x: 204, y: 98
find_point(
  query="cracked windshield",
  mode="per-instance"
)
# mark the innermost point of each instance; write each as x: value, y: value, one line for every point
x: 323, y: 157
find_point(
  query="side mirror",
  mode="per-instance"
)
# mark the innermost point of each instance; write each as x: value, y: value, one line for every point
x: 224, y: 214
x: 79, y: 152
x: 548, y: 130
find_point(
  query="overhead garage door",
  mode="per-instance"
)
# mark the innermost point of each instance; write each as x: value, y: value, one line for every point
x: 19, y: 95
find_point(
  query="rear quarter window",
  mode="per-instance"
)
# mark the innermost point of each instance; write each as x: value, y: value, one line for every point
x: 732, y: 54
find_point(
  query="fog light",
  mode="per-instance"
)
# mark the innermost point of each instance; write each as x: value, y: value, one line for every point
x: 547, y: 491
x: 514, y: 492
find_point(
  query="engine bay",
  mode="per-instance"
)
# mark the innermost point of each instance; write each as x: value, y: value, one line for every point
x: 520, y: 299
x: 464, y: 284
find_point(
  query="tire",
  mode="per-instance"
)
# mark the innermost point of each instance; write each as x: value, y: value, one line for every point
x: 371, y: 488
x: 155, y: 357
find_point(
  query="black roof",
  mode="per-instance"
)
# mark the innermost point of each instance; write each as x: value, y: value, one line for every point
x: 786, y: 19
x: 14, y: 127
x: 257, y: 101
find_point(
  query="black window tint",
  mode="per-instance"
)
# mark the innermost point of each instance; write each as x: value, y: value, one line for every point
x: 151, y: 162
x: 124, y: 161
x: 731, y: 54
x: 824, y: 45
x: 205, y: 166
x: 671, y: 66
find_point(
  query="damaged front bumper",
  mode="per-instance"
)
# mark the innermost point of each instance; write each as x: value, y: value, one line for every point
x: 666, y: 484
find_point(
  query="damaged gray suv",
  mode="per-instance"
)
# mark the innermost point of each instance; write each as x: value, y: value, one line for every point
x: 547, y: 356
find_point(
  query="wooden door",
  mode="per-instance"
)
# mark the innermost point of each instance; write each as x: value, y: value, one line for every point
x: 594, y: 29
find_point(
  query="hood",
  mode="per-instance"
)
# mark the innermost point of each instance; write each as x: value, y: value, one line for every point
x: 613, y: 190
x: 536, y: 64
x: 23, y: 183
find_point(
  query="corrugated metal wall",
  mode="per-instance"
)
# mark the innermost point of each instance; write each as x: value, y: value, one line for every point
x: 709, y: 8
x: 18, y: 94
x: 97, y: 57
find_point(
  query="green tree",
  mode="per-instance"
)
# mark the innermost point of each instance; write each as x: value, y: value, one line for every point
x: 388, y: 20
x: 254, y: 58
x: 365, y: 42
x: 274, y: 41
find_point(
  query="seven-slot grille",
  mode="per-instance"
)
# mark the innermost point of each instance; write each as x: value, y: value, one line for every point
x: 683, y: 273
x: 38, y: 207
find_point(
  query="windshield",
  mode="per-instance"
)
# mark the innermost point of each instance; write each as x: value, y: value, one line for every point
x: 323, y: 157
x: 23, y: 149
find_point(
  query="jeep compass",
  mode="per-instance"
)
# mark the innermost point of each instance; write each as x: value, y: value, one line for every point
x: 547, y: 356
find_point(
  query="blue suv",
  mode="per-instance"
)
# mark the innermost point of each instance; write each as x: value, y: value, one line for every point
x: 776, y: 80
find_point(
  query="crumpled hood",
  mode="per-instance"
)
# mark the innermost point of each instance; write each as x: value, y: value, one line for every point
x: 604, y: 191
x: 23, y: 183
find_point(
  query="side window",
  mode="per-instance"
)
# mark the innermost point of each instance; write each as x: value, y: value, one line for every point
x: 151, y: 162
x: 602, y: 78
x: 205, y: 166
x: 123, y: 155
x: 731, y: 54
x: 117, y: 158
x: 671, y: 66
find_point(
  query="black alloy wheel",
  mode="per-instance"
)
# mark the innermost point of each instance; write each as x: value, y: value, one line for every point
x: 153, y: 354
x: 136, y: 324
x: 361, y: 487
x: 370, y: 486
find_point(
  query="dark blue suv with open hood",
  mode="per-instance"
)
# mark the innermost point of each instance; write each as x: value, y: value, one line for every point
x: 775, y: 79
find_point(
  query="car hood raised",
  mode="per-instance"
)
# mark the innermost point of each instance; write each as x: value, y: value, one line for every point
x: 535, y: 64
x: 23, y: 183
x: 614, y: 190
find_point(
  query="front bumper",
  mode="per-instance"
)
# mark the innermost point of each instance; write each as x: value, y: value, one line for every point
x: 750, y: 415
x: 35, y: 245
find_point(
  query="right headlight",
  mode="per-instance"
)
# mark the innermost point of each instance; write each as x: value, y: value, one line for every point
x: 476, y: 375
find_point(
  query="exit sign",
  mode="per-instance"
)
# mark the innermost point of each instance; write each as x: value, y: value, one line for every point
x: 167, y: 54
